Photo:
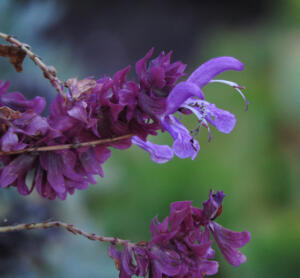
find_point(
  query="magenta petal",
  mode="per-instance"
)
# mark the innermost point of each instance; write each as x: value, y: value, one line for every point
x: 208, y: 268
x: 21, y: 185
x: 69, y: 160
x: 207, y: 71
x: 152, y: 105
x: 142, y: 63
x: 102, y: 153
x: 79, y: 112
x: 77, y: 184
x: 55, y: 172
x: 126, y: 260
x: 142, y: 261
x: 228, y: 242
x: 9, y: 141
x: 180, y: 93
x: 18, y: 102
x: 120, y: 76
x: 90, y: 163
x: 127, y: 97
x: 114, y: 253
x: 156, y: 227
x: 16, y: 168
x: 178, y: 211
x: 158, y: 153
x: 37, y: 126
x: 167, y: 261
x: 157, y: 77
x: 201, y: 250
x: 203, y: 238
x: 38, y: 180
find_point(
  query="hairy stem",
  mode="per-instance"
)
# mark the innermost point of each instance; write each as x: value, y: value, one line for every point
x: 49, y: 71
x: 68, y: 227
x: 69, y: 146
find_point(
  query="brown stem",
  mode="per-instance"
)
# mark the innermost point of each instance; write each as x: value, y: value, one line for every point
x: 68, y: 227
x: 69, y: 146
x: 49, y: 71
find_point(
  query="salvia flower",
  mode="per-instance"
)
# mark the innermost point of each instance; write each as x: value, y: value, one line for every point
x: 106, y: 108
x: 181, y: 244
x: 186, y: 97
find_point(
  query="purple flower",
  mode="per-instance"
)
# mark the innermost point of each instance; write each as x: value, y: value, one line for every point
x: 181, y: 245
x: 186, y: 97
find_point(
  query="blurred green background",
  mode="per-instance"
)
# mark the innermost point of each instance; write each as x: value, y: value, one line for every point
x: 257, y: 165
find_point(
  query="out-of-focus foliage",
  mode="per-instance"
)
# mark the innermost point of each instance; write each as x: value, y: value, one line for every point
x: 257, y: 165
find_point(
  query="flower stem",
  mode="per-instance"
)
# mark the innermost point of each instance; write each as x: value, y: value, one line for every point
x: 68, y: 227
x: 49, y: 71
x: 69, y: 146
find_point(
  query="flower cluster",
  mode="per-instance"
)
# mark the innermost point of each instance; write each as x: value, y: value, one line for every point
x: 107, y: 108
x: 181, y: 245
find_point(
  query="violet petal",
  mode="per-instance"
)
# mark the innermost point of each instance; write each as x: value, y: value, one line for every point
x: 180, y: 93
x: 55, y: 172
x: 228, y: 242
x: 224, y: 121
x: 208, y: 268
x: 207, y: 71
x: 158, y: 153
x: 184, y: 145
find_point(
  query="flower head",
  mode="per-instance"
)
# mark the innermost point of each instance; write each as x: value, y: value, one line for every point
x: 186, y: 97
x: 181, y: 244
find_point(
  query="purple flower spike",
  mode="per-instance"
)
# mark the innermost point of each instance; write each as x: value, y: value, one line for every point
x: 107, y: 108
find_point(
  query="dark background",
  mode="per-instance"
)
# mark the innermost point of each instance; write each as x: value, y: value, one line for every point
x: 257, y: 165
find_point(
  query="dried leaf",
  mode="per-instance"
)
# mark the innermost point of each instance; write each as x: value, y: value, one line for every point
x: 8, y: 113
x: 77, y: 88
x: 15, y: 54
